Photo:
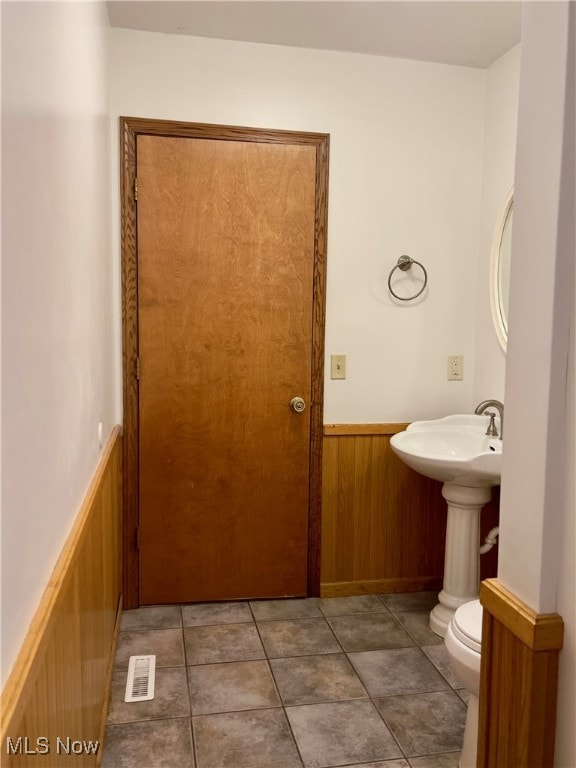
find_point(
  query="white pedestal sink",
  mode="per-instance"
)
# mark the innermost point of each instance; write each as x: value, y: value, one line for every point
x: 456, y: 451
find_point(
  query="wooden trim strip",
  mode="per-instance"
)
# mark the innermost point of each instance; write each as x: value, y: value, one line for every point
x: 540, y: 632
x: 317, y: 384
x: 176, y: 128
x: 381, y: 586
x: 332, y: 430
x: 129, y: 358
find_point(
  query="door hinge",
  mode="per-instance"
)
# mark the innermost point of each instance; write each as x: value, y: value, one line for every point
x: 138, y: 368
x: 136, y: 188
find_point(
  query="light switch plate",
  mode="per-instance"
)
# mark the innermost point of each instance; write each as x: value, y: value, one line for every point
x: 338, y: 366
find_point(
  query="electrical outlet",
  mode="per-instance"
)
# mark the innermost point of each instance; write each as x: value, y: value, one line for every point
x: 338, y: 366
x: 455, y: 367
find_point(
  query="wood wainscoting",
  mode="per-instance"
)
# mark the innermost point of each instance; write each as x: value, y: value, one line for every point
x: 59, y: 686
x: 383, y: 525
x: 518, y: 682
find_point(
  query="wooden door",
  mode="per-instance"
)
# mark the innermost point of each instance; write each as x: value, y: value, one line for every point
x: 226, y: 242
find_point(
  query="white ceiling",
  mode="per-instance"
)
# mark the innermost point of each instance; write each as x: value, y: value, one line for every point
x: 467, y: 33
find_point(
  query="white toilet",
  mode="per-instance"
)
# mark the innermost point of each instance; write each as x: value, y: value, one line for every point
x: 463, y: 639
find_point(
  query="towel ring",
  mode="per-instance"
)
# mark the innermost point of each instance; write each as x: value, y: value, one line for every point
x: 405, y: 263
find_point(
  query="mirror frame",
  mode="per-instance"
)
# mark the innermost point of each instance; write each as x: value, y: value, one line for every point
x: 500, y: 322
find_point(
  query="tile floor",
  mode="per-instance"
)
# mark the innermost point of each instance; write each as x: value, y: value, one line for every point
x: 349, y: 681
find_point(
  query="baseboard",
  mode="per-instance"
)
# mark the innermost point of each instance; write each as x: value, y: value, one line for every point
x: 518, y: 681
x: 55, y: 697
x: 381, y: 586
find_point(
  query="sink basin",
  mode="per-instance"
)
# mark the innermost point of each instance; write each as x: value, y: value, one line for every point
x: 453, y: 450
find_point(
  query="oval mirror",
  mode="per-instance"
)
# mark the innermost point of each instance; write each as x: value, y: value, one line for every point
x: 500, y: 269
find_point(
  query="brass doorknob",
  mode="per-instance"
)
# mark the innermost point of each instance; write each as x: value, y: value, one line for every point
x: 297, y: 404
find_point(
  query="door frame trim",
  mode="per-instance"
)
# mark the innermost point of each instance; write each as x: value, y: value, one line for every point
x: 130, y: 128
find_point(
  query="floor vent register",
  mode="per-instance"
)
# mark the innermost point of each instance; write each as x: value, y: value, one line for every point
x: 141, y: 674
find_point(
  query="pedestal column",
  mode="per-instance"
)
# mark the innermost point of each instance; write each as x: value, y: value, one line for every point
x: 462, y: 556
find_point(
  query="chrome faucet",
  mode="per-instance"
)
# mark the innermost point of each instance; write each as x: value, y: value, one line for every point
x: 491, y: 431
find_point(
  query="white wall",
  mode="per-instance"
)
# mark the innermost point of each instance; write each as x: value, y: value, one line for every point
x: 500, y: 127
x: 537, y: 546
x: 405, y: 178
x: 57, y: 334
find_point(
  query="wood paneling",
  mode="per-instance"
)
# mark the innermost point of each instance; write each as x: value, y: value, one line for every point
x: 59, y: 685
x: 383, y: 525
x: 518, y: 682
x: 131, y: 128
